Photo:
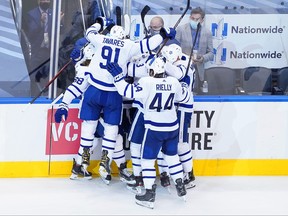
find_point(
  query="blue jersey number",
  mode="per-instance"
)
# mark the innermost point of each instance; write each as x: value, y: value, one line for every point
x: 107, y: 53
x: 157, y: 102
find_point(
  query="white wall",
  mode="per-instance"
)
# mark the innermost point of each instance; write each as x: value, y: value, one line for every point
x: 237, y: 130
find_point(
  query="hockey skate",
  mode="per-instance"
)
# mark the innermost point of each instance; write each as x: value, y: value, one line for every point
x: 189, y: 180
x: 138, y: 186
x: 180, y: 188
x: 79, y: 171
x: 165, y: 181
x: 147, y: 199
x: 85, y: 158
x: 104, y: 168
x: 125, y: 176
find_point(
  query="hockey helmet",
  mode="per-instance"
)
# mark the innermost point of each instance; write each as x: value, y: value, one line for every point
x: 88, y: 51
x: 117, y: 31
x: 172, y: 52
x: 156, y: 64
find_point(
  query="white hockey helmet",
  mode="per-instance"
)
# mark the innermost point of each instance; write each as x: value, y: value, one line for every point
x: 172, y: 52
x: 156, y: 64
x: 117, y: 31
x: 88, y: 51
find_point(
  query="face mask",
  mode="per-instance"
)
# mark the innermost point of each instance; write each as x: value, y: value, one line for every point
x: 193, y: 24
x: 44, y: 5
x: 153, y: 32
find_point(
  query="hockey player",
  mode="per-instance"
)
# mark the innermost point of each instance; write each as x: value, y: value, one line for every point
x: 157, y: 93
x: 82, y: 57
x: 176, y: 66
x: 101, y: 95
x: 136, y: 69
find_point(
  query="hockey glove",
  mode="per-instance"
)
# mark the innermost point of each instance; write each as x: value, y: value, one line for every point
x: 168, y: 33
x: 104, y: 22
x: 76, y: 55
x: 116, y: 71
x: 61, y: 113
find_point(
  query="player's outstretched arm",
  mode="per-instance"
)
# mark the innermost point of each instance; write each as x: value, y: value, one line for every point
x: 101, y: 24
x: 149, y: 44
x: 125, y: 89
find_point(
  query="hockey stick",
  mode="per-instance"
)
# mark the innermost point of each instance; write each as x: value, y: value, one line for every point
x: 105, y: 31
x: 175, y: 26
x: 102, y: 8
x: 118, y: 15
x: 143, y: 14
x: 82, y: 14
x: 193, y: 45
x: 50, y: 82
x: 127, y: 24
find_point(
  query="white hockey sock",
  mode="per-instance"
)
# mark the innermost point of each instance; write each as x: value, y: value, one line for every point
x: 175, y: 167
x: 162, y: 165
x: 119, y: 154
x: 148, y: 172
x: 135, y: 150
x: 185, y: 155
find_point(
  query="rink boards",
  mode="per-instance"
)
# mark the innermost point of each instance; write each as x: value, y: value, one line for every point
x: 230, y: 135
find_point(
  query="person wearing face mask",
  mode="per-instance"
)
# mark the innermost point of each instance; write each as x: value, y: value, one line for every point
x: 156, y: 23
x: 203, y: 48
x: 38, y: 27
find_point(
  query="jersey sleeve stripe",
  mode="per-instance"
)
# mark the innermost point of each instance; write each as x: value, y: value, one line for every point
x: 75, y: 96
x: 77, y: 88
x: 138, y: 103
x: 183, y: 70
x: 141, y: 46
x: 185, y: 98
x: 134, y: 68
x: 147, y: 43
x: 125, y: 90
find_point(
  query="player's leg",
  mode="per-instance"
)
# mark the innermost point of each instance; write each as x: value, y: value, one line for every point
x: 118, y: 155
x: 169, y: 149
x: 83, y: 157
x: 184, y: 148
x: 135, y: 137
x: 112, y: 110
x: 90, y: 116
x: 150, y: 149
x: 163, y: 170
x: 120, y: 160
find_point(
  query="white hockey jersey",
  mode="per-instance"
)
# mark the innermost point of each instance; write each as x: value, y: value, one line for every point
x: 111, y: 49
x: 178, y: 70
x: 136, y: 68
x: 79, y: 85
x: 158, y: 96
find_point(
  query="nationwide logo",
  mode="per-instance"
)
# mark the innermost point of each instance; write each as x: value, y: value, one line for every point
x: 219, y: 33
x: 219, y: 29
x: 220, y: 54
